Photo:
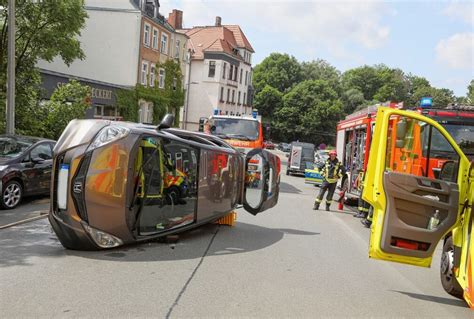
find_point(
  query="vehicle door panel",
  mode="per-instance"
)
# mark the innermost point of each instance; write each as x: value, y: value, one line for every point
x: 404, y: 202
x: 262, y: 182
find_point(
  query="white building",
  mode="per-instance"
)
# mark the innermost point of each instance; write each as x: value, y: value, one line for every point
x: 220, y: 73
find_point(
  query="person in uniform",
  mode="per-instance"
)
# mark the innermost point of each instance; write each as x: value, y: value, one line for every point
x: 331, y: 172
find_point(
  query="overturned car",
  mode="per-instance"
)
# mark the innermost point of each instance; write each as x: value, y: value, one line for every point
x: 116, y: 183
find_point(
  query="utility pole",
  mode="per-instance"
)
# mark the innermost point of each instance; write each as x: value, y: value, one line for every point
x: 10, y: 116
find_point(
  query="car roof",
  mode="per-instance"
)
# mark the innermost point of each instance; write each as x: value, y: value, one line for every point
x: 25, y: 138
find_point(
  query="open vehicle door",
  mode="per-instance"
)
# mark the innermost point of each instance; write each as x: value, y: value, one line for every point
x: 413, y: 212
x: 262, y: 181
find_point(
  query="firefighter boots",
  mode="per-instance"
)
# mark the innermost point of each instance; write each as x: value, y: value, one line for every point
x: 327, y: 207
x: 316, y: 206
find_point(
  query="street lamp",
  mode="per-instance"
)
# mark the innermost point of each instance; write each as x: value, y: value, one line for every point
x: 10, y: 112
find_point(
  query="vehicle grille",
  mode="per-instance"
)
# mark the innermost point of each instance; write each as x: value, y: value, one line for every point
x: 78, y: 187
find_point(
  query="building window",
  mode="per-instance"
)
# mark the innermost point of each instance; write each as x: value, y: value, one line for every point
x: 241, y: 73
x: 244, y: 102
x: 161, y: 78
x: 164, y: 43
x: 222, y: 94
x: 246, y: 76
x: 238, y: 95
x: 184, y: 53
x: 230, y: 72
x: 212, y: 69
x: 154, y: 42
x: 233, y: 96
x: 152, y: 74
x: 146, y: 34
x: 144, y: 72
x: 175, y: 84
x: 228, y: 95
x: 223, y: 70
x: 176, y: 54
x: 235, y: 73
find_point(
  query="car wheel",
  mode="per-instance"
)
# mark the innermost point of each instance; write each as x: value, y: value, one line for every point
x: 287, y: 172
x: 448, y: 280
x: 11, y: 195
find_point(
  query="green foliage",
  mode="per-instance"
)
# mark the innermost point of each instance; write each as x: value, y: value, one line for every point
x: 310, y: 111
x: 470, y: 92
x: 441, y: 97
x: 68, y: 102
x: 279, y: 71
x: 45, y: 29
x: 168, y: 99
x: 268, y: 100
x: 351, y: 99
x: 321, y: 70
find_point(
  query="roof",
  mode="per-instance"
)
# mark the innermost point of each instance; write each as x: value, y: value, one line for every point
x: 224, y: 39
x: 240, y: 37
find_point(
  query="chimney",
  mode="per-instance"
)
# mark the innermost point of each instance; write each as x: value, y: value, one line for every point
x: 175, y: 19
x: 218, y: 21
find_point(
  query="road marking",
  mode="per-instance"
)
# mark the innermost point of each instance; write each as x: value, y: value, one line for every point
x: 43, y: 214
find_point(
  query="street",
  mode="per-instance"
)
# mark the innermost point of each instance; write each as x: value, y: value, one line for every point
x: 289, y: 261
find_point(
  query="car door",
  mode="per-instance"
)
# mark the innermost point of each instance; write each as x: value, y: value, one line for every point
x: 39, y: 167
x: 412, y: 212
x: 262, y: 181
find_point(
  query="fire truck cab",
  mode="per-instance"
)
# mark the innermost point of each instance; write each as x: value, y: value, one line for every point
x: 418, y: 201
x: 244, y: 132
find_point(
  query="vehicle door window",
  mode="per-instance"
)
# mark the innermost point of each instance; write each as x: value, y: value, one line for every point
x: 166, y: 171
x: 42, y: 151
x: 417, y: 148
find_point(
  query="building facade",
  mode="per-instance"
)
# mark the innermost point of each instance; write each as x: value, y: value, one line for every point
x: 220, y: 73
x: 124, y: 41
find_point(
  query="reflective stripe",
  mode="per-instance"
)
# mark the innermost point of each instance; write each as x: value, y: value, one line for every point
x: 328, y: 202
x: 363, y: 209
x: 318, y: 200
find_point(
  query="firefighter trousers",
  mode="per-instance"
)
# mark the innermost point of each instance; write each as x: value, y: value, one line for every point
x: 330, y: 188
x: 363, y: 207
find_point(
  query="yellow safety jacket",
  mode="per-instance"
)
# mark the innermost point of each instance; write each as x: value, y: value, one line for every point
x: 332, y: 170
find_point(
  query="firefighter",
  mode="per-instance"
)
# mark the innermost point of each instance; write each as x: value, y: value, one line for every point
x: 331, y: 172
x: 363, y: 207
x: 367, y: 222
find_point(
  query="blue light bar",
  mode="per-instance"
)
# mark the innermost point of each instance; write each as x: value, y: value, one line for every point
x: 426, y: 102
x: 254, y: 114
x: 216, y: 112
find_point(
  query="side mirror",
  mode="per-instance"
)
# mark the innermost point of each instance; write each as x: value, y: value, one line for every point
x: 254, y: 181
x: 166, y: 122
x: 401, y: 132
x: 448, y: 171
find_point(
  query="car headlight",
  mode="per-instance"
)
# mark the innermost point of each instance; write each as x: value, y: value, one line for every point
x: 3, y: 167
x: 108, y: 135
x: 102, y: 239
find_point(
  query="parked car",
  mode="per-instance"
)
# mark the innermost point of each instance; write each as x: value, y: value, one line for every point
x: 25, y: 168
x: 269, y: 145
x: 116, y: 183
x: 284, y: 147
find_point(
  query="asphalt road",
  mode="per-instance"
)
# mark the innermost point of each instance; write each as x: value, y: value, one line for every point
x: 290, y: 261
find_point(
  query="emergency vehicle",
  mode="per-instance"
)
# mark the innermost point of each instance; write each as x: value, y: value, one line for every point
x: 355, y: 133
x: 244, y: 132
x: 413, y: 212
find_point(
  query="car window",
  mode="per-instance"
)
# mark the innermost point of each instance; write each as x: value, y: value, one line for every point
x: 42, y: 151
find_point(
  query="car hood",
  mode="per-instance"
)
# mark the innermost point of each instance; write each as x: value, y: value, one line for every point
x: 79, y: 132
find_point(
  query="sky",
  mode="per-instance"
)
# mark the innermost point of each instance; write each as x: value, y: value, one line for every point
x: 433, y: 39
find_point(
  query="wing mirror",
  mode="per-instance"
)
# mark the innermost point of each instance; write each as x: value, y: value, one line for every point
x: 37, y: 160
x: 401, y: 132
x: 166, y: 122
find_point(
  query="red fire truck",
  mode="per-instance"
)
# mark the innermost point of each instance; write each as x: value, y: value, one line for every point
x: 354, y: 136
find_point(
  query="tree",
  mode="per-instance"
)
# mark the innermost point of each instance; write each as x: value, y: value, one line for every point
x: 441, y: 97
x: 470, y: 92
x: 351, y: 99
x: 45, y: 29
x: 321, y: 70
x: 310, y: 112
x: 279, y: 71
x: 268, y: 100
x: 365, y: 79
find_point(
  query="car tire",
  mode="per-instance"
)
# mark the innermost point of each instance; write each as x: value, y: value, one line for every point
x: 287, y: 172
x: 12, y: 194
x: 448, y: 280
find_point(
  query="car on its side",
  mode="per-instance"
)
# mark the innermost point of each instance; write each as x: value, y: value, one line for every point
x: 117, y: 183
x: 25, y: 168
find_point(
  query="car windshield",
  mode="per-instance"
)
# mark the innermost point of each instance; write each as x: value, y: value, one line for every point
x: 239, y: 129
x: 323, y: 156
x: 13, y: 147
x: 463, y: 134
